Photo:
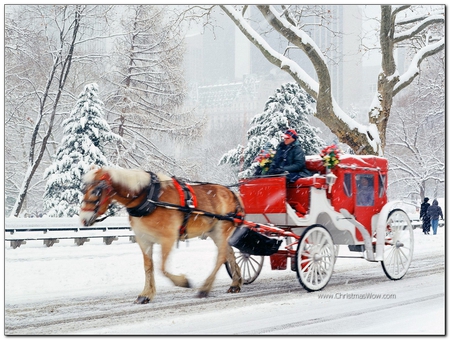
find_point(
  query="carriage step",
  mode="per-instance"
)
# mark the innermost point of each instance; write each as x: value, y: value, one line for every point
x: 356, y: 247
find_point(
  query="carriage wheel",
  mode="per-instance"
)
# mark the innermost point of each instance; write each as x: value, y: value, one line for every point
x: 398, y: 245
x: 315, y: 258
x: 250, y: 266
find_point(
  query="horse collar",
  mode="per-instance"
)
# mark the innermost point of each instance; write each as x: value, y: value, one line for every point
x: 147, y: 206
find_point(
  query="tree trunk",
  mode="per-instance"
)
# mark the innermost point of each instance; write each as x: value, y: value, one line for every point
x: 33, y: 163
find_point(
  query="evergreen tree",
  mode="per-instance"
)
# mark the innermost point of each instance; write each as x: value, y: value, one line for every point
x: 288, y: 108
x: 85, y: 134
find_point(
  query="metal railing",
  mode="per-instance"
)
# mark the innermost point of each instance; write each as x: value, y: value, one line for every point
x: 51, y: 230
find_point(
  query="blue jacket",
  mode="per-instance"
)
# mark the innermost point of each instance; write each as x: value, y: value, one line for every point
x: 434, y: 211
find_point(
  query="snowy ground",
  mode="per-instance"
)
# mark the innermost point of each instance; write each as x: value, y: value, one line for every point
x: 66, y: 289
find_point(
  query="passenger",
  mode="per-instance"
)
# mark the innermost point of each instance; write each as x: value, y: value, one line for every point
x: 365, y: 193
x: 290, y: 158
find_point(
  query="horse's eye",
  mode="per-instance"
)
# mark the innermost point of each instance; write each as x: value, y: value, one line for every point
x: 97, y: 192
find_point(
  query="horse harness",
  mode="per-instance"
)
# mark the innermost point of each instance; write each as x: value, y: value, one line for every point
x: 188, y: 203
x: 147, y: 206
x: 188, y: 200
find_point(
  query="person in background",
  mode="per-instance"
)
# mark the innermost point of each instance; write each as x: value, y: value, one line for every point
x: 434, y: 211
x: 289, y: 157
x: 424, y: 216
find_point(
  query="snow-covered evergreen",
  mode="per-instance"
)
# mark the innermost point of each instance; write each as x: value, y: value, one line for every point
x: 288, y: 108
x: 85, y: 134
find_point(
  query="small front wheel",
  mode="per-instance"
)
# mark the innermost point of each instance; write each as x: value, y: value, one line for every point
x: 315, y: 258
x: 250, y: 266
x: 398, y: 245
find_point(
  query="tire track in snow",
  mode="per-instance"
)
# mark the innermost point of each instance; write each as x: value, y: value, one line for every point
x: 341, y: 316
x: 59, y: 317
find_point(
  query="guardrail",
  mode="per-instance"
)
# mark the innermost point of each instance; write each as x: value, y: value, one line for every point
x: 51, y: 230
x: 418, y: 223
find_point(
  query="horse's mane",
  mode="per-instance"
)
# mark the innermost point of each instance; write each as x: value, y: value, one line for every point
x: 134, y: 179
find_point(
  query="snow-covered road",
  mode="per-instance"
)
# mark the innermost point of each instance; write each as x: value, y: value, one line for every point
x: 90, y: 289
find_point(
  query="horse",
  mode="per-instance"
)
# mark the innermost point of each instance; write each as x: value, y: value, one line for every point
x: 156, y: 215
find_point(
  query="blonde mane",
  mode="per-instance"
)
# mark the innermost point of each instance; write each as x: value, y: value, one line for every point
x: 133, y: 179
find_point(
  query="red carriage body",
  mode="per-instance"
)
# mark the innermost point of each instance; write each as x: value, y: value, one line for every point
x: 266, y: 197
x: 328, y: 206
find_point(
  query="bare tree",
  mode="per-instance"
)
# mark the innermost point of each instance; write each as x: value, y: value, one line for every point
x: 416, y: 136
x: 416, y: 26
x: 60, y: 46
x: 149, y: 86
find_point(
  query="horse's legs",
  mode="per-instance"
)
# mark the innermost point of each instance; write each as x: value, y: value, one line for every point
x: 149, y: 290
x: 178, y: 280
x: 220, y: 237
x: 236, y: 274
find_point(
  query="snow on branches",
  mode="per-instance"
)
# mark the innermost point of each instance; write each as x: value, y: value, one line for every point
x: 86, y: 133
x: 288, y: 108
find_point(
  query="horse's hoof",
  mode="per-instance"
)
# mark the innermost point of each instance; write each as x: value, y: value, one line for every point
x: 202, y: 294
x: 234, y: 289
x: 142, y: 300
x: 186, y: 285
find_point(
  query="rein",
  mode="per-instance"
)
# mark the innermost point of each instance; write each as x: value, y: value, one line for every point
x: 188, y: 201
x: 232, y: 217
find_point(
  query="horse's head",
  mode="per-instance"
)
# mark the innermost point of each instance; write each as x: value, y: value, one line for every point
x: 98, y: 192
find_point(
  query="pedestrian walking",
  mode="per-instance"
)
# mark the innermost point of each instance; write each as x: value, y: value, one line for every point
x: 434, y: 212
x: 424, y: 216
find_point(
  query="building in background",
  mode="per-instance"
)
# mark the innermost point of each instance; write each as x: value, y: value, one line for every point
x: 224, y: 60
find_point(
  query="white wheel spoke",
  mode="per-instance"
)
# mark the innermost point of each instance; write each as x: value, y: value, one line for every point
x: 399, y: 245
x: 315, y: 258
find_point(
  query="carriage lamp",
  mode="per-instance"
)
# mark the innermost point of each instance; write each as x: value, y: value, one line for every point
x: 331, y: 179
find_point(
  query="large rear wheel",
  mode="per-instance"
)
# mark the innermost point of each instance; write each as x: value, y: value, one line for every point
x: 250, y: 266
x: 315, y: 258
x: 399, y: 245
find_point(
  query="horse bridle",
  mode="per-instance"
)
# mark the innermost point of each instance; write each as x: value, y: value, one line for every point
x: 104, y: 184
x: 101, y: 185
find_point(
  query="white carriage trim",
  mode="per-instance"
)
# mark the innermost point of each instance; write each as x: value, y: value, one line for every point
x: 366, y: 237
x: 381, y: 227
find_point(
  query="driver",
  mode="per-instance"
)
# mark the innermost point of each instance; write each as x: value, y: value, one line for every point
x: 289, y: 157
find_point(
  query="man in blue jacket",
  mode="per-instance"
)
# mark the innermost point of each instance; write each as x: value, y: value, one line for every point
x: 289, y: 157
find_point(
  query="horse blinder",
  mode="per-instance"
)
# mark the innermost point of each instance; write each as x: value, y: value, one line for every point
x: 98, y: 192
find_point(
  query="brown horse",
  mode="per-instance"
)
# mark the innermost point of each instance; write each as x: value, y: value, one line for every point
x: 153, y: 202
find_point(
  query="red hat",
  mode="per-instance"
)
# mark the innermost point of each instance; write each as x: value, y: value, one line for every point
x: 291, y: 133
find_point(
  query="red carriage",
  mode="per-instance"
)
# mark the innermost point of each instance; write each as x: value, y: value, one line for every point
x: 314, y: 215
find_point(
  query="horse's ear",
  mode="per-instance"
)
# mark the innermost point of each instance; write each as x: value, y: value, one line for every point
x: 94, y: 167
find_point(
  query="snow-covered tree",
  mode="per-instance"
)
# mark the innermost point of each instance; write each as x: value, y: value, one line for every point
x: 288, y: 108
x: 40, y: 45
x: 416, y: 138
x: 419, y: 28
x: 86, y: 133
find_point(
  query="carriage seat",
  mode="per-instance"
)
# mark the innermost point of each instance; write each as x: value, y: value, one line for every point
x: 316, y: 181
x: 298, y: 193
